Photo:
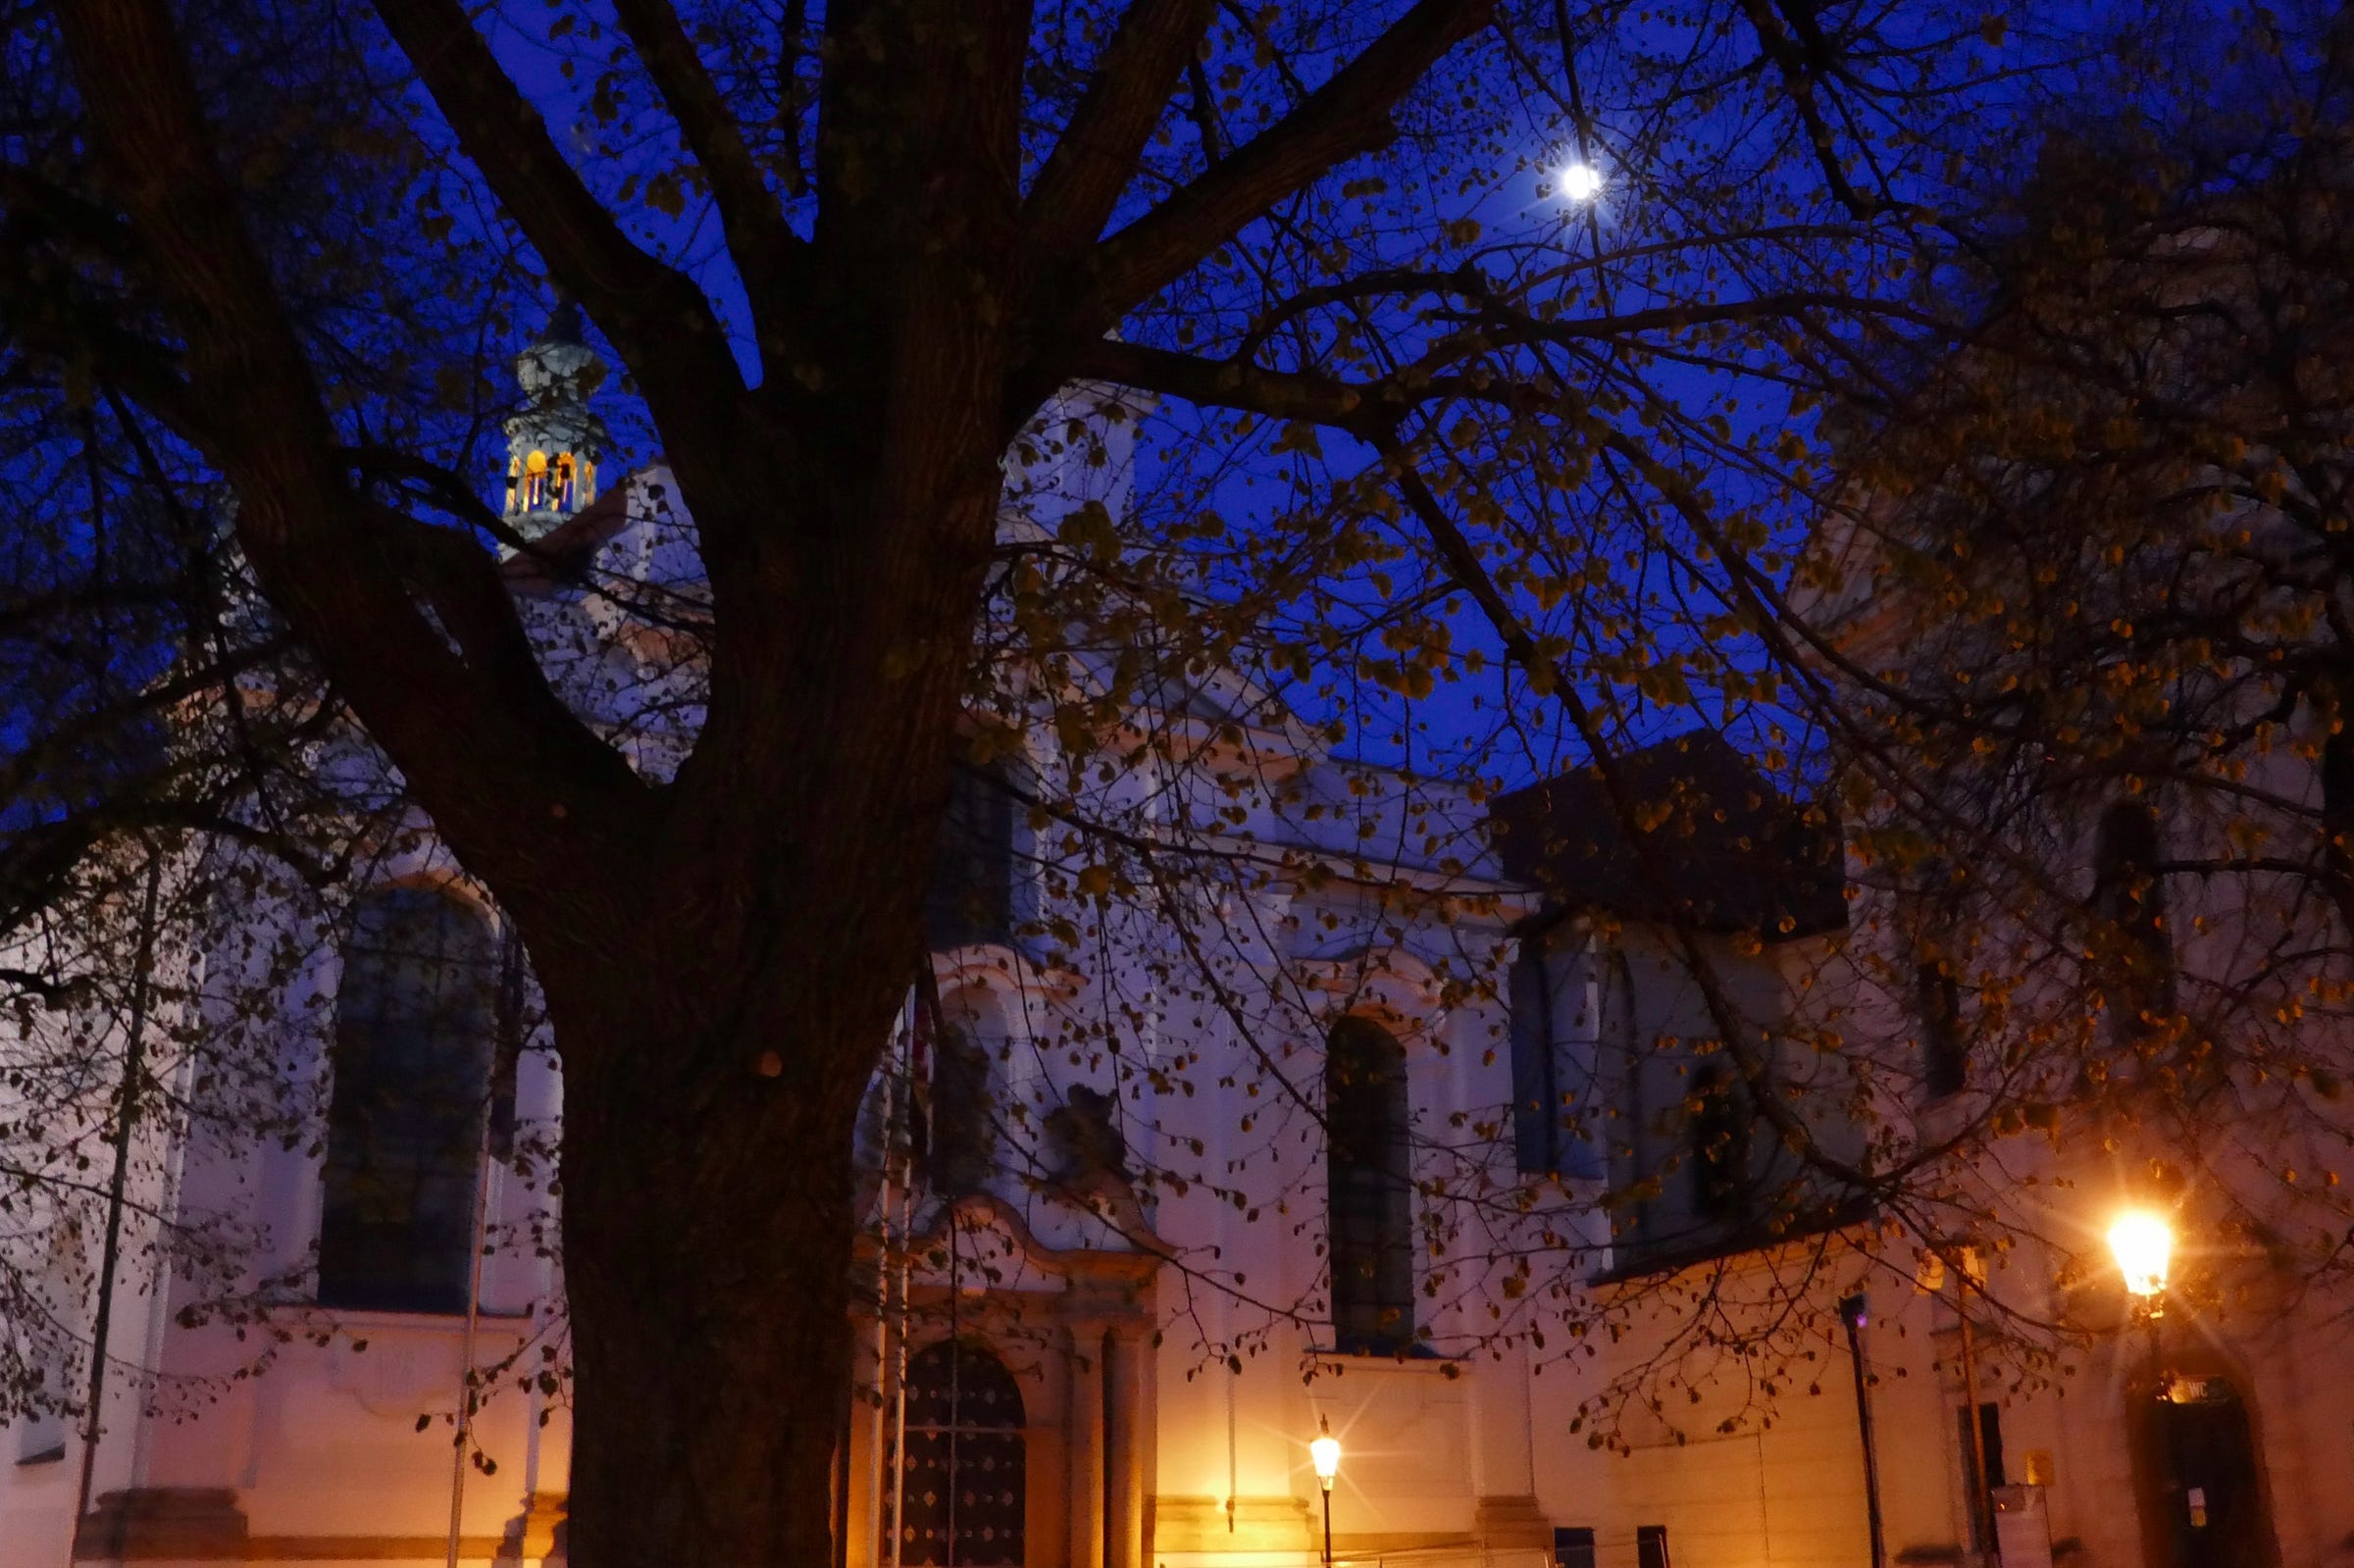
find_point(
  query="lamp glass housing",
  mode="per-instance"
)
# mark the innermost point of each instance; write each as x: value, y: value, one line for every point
x: 2144, y: 1244
x: 1325, y: 1450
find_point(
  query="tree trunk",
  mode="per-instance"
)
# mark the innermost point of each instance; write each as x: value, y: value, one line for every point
x: 720, y: 1006
x: 707, y: 1248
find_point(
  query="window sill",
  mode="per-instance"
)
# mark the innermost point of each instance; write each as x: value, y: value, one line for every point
x: 47, y: 1456
x: 402, y: 1317
x: 1421, y: 1359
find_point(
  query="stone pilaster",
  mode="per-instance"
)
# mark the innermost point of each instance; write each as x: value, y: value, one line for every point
x: 1085, y: 1446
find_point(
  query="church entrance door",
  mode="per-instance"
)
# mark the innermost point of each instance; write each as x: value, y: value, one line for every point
x: 962, y: 1492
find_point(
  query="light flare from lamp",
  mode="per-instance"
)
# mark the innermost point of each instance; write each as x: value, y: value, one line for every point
x: 2143, y: 1244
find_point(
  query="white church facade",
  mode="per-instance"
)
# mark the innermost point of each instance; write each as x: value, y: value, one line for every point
x: 1110, y: 1318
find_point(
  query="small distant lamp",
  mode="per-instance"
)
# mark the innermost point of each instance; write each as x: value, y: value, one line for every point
x: 2143, y: 1244
x: 1325, y: 1453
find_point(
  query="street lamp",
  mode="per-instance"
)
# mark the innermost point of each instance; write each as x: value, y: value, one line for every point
x: 2144, y: 1243
x: 1325, y: 1453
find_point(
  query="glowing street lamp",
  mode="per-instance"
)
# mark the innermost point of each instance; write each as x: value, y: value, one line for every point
x: 2144, y: 1244
x: 1325, y: 1453
x: 1581, y: 182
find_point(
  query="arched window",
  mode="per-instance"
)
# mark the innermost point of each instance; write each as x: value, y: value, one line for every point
x: 1370, y: 1188
x: 960, y: 1497
x: 414, y: 1039
x: 2129, y: 895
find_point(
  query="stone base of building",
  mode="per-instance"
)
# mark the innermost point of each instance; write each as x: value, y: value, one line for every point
x: 1181, y: 1525
x: 1510, y: 1523
x: 534, y: 1538
x: 152, y: 1522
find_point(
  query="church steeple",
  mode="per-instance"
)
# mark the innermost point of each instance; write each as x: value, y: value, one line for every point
x: 554, y: 440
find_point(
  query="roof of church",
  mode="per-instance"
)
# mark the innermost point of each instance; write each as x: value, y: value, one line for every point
x: 564, y: 550
x: 1730, y: 854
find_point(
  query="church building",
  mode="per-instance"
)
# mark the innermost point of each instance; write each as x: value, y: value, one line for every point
x: 1128, y: 1280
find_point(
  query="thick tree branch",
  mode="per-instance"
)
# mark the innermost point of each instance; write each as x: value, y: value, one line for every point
x: 53, y: 317
x: 1349, y: 115
x: 478, y: 746
x: 1096, y: 157
x: 1357, y: 407
x: 770, y: 256
x: 659, y: 321
x: 1802, y: 62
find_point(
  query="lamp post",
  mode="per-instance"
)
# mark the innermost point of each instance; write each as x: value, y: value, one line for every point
x: 1325, y: 1451
x: 1855, y: 1313
x: 2144, y: 1244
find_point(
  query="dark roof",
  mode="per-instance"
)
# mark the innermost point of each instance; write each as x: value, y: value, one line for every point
x: 566, y: 549
x: 1728, y: 852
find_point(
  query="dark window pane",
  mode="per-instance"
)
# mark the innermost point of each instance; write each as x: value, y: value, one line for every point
x: 1945, y: 1058
x: 1720, y: 1130
x: 2338, y: 789
x: 412, y: 1066
x: 1651, y: 1546
x: 1369, y: 1189
x: 964, y: 1130
x: 1536, y: 1078
x: 2130, y: 895
x: 965, y: 1484
x: 971, y: 896
x: 1573, y: 1547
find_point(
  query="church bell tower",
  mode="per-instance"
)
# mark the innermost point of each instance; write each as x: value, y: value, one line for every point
x: 554, y: 440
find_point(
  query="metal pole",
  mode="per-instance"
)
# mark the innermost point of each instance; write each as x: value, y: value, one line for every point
x: 126, y: 1105
x: 507, y: 1049
x: 1981, y: 1509
x: 474, y: 1311
x: 1327, y: 1524
x: 1851, y: 1311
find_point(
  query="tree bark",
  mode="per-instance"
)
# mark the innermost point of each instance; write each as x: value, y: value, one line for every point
x: 707, y: 1236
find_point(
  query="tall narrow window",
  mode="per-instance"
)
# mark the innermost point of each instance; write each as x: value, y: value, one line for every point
x: 963, y: 1492
x: 2337, y: 794
x: 1718, y: 1126
x: 1371, y: 1190
x: 1536, y: 1071
x: 1651, y: 1546
x: 412, y: 1066
x: 971, y: 896
x: 2130, y: 895
x: 1944, y: 1052
x: 964, y: 1130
